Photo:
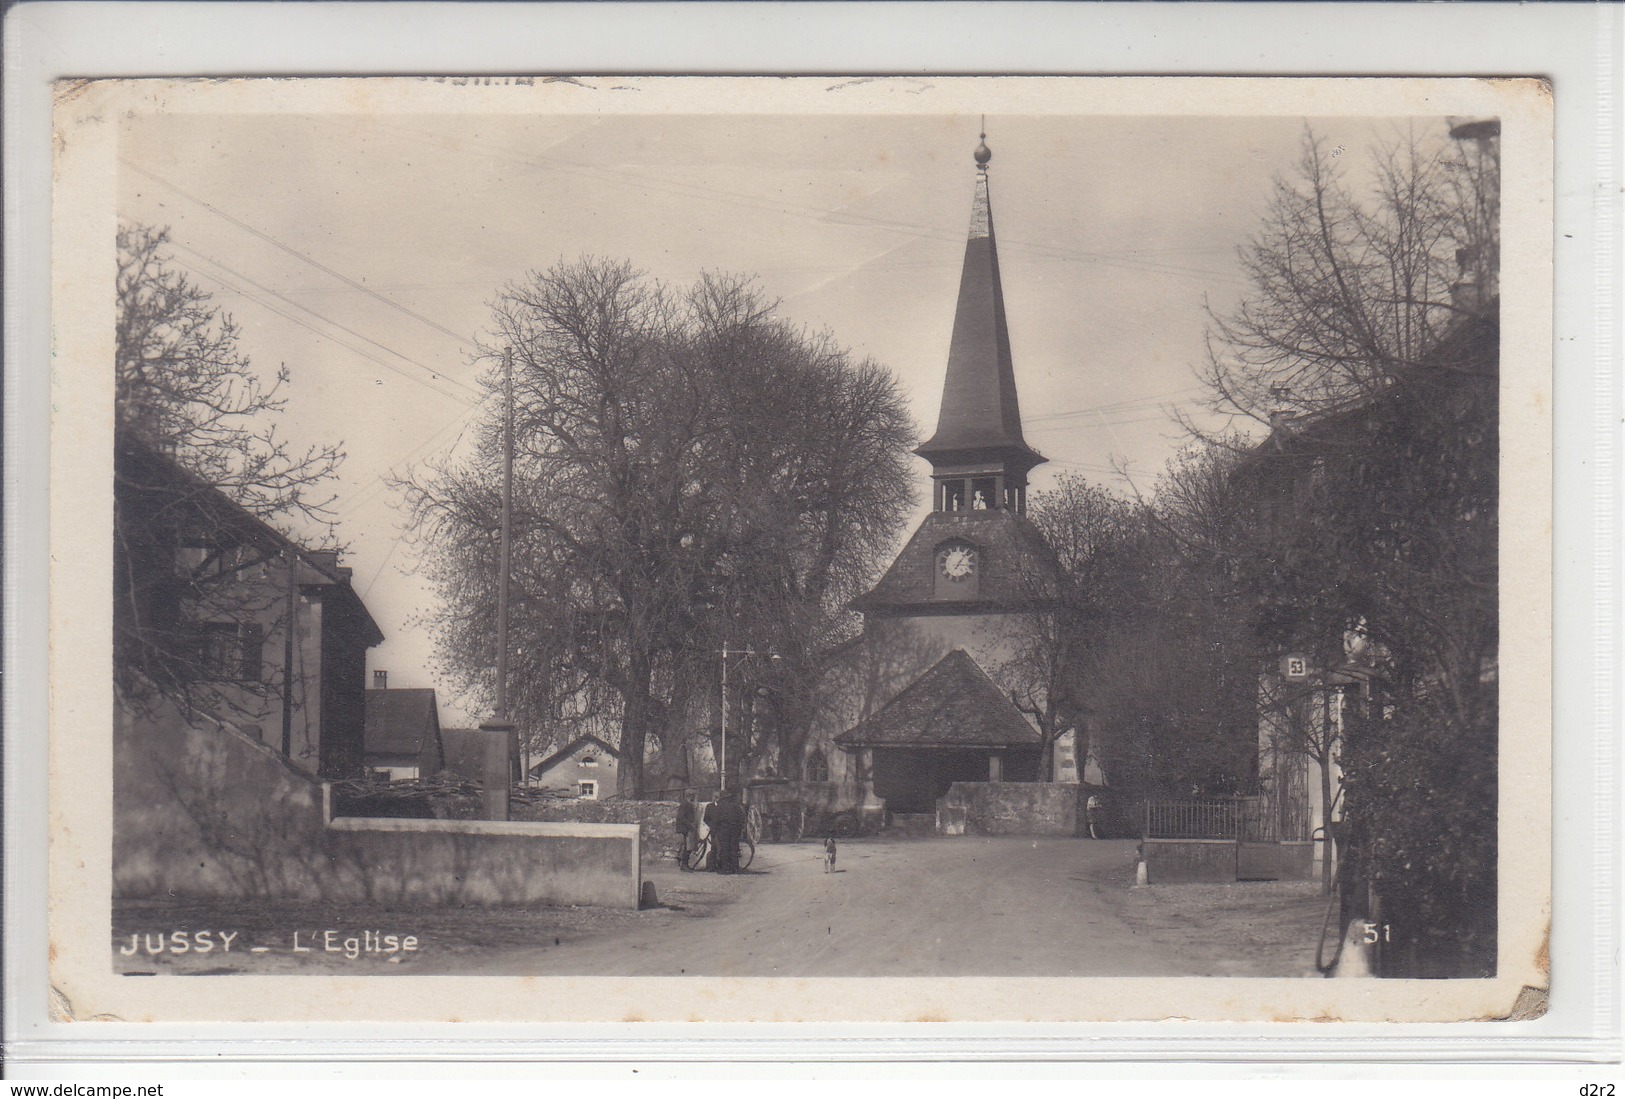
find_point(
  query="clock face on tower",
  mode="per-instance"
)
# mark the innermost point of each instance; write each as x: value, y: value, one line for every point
x: 957, y: 561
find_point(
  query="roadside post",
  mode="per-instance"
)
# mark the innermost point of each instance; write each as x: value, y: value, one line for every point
x: 496, y: 768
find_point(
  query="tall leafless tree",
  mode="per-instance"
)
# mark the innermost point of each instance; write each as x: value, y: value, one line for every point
x: 1350, y: 275
x: 185, y: 388
x: 691, y: 471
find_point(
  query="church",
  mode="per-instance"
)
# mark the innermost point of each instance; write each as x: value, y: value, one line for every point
x: 916, y: 704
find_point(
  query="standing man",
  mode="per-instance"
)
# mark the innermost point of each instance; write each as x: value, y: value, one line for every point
x: 726, y: 816
x: 688, y: 828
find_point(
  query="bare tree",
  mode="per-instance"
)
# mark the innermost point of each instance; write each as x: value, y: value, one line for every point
x: 1350, y: 283
x: 186, y: 389
x: 690, y: 471
x: 1055, y: 651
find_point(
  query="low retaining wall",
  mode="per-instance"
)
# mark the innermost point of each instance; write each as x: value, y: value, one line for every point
x: 202, y: 811
x: 1290, y: 860
x: 491, y: 862
x: 1010, y: 809
x: 1169, y: 862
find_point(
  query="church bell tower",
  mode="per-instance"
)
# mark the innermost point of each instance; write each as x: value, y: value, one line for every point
x: 976, y: 553
x: 956, y: 599
x: 979, y: 460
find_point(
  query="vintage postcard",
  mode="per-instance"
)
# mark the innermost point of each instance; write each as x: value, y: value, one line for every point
x: 974, y: 550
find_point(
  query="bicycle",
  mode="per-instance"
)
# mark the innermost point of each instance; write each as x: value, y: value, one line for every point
x: 703, y: 853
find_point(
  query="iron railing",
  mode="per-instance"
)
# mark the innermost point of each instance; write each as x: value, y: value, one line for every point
x: 1191, y: 818
x: 1250, y: 819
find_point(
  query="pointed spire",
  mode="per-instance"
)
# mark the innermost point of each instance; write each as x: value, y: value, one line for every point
x: 981, y: 211
x: 980, y: 421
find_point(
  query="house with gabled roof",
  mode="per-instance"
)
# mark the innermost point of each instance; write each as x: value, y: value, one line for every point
x: 587, y: 767
x: 403, y: 731
x: 230, y: 619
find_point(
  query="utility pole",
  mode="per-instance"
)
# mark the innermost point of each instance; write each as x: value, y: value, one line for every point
x: 507, y: 534
x: 722, y: 769
x: 498, y: 750
x: 292, y: 560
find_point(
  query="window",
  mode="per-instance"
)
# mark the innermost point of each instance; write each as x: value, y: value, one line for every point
x: 589, y: 789
x: 212, y: 554
x: 817, y: 766
x: 589, y: 761
x: 229, y: 650
x: 251, y: 639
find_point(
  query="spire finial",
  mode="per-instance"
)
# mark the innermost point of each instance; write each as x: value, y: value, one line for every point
x: 983, y: 154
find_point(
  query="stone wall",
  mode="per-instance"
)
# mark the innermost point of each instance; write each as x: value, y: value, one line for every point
x: 491, y: 862
x: 202, y: 811
x: 816, y: 809
x: 1011, y: 809
x: 657, y: 820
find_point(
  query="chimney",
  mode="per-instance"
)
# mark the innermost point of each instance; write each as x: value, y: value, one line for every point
x: 1281, y: 412
x: 326, y: 560
x: 380, y: 680
x: 1478, y: 284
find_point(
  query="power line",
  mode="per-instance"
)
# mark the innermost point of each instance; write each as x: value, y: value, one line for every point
x: 1115, y: 422
x: 393, y: 546
x: 466, y: 388
x: 292, y: 251
x: 381, y: 482
x: 1128, y: 404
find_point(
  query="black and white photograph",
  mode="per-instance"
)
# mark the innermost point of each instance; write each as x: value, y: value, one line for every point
x: 701, y: 538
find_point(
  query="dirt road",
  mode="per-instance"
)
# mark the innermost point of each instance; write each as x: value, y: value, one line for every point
x: 960, y: 906
x: 1010, y: 906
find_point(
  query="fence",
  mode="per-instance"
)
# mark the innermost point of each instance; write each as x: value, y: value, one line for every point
x: 1191, y: 819
x: 1249, y: 819
x: 1220, y: 839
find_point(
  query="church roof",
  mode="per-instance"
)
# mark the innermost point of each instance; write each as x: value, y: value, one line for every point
x: 1019, y: 569
x: 980, y: 412
x: 953, y: 705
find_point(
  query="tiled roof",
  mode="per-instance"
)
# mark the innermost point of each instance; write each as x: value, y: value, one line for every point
x: 1018, y: 567
x: 543, y: 767
x: 401, y: 720
x: 162, y: 485
x: 953, y: 705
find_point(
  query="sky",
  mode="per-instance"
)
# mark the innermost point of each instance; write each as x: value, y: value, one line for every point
x: 362, y: 248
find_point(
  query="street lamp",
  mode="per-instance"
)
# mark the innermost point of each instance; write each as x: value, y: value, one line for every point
x: 722, y: 767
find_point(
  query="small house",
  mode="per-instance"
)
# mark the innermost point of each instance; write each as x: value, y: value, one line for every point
x: 587, y: 767
x: 403, y: 731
